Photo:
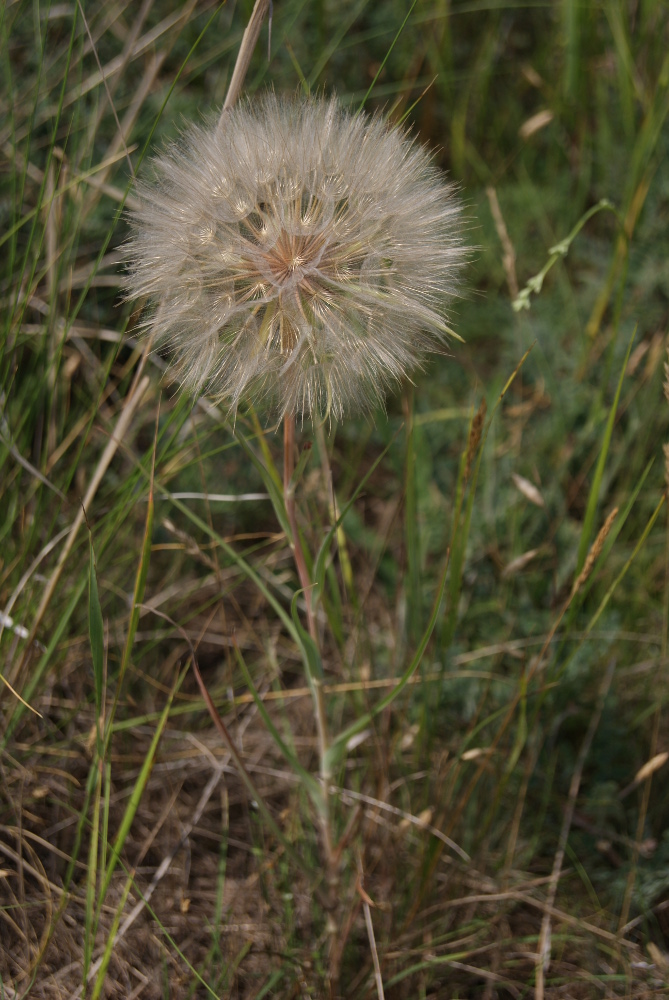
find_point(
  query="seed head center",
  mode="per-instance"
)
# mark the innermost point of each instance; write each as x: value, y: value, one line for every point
x: 292, y: 255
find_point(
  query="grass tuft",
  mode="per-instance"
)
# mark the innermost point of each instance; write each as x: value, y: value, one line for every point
x: 490, y: 589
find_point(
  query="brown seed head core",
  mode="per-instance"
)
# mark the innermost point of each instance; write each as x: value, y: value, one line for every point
x: 291, y: 255
x: 288, y: 263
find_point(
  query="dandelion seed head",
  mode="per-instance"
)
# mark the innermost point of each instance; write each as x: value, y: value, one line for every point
x: 296, y: 255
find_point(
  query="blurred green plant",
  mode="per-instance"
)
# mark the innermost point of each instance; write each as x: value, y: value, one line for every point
x: 557, y: 109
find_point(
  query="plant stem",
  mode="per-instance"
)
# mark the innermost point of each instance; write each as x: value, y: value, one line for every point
x: 249, y: 41
x: 289, y: 498
x: 316, y: 684
x: 305, y: 582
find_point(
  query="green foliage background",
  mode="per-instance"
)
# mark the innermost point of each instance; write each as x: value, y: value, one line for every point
x: 545, y: 109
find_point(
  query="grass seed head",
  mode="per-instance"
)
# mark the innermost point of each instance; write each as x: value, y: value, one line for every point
x: 296, y: 255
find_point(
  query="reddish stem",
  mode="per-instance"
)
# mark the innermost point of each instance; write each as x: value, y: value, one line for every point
x: 289, y: 498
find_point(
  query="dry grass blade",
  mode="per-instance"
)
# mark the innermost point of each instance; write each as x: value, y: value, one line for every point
x: 369, y: 924
x: 161, y: 870
x: 421, y: 822
x: 126, y: 56
x: 123, y: 423
x: 154, y: 863
x: 509, y: 256
x: 173, y: 20
x: 125, y: 128
x: 121, y: 137
x: 544, y: 947
x: 246, y: 49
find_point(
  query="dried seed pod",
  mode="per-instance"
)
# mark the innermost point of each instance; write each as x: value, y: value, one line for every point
x: 296, y: 255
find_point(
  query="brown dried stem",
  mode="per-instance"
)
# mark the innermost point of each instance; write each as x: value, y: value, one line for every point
x: 249, y: 39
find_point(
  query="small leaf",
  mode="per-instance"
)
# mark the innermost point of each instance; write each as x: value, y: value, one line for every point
x: 561, y: 249
x: 314, y: 663
x: 305, y: 455
x: 273, y: 488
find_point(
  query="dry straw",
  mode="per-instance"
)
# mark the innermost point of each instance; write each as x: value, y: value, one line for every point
x: 296, y: 255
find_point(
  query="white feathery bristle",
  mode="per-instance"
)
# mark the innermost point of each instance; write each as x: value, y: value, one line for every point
x: 296, y: 255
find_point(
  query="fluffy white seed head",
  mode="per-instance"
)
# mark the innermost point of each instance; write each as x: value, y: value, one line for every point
x: 296, y: 255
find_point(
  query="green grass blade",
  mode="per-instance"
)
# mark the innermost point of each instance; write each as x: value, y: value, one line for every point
x: 298, y: 472
x: 339, y: 742
x: 243, y: 772
x: 95, y: 630
x: 616, y: 583
x: 274, y: 489
x: 245, y: 567
x: 460, y: 533
x: 308, y: 780
x: 387, y: 56
x: 343, y: 27
x: 458, y: 549
x: 130, y: 883
x: 137, y: 792
x: 617, y: 527
x: 104, y: 839
x: 273, y: 980
x: 38, y: 672
x: 109, y: 946
x: 323, y: 552
x: 90, y: 924
x: 411, y: 528
x: 140, y: 587
x: 593, y: 498
x: 572, y: 27
x: 40, y: 197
